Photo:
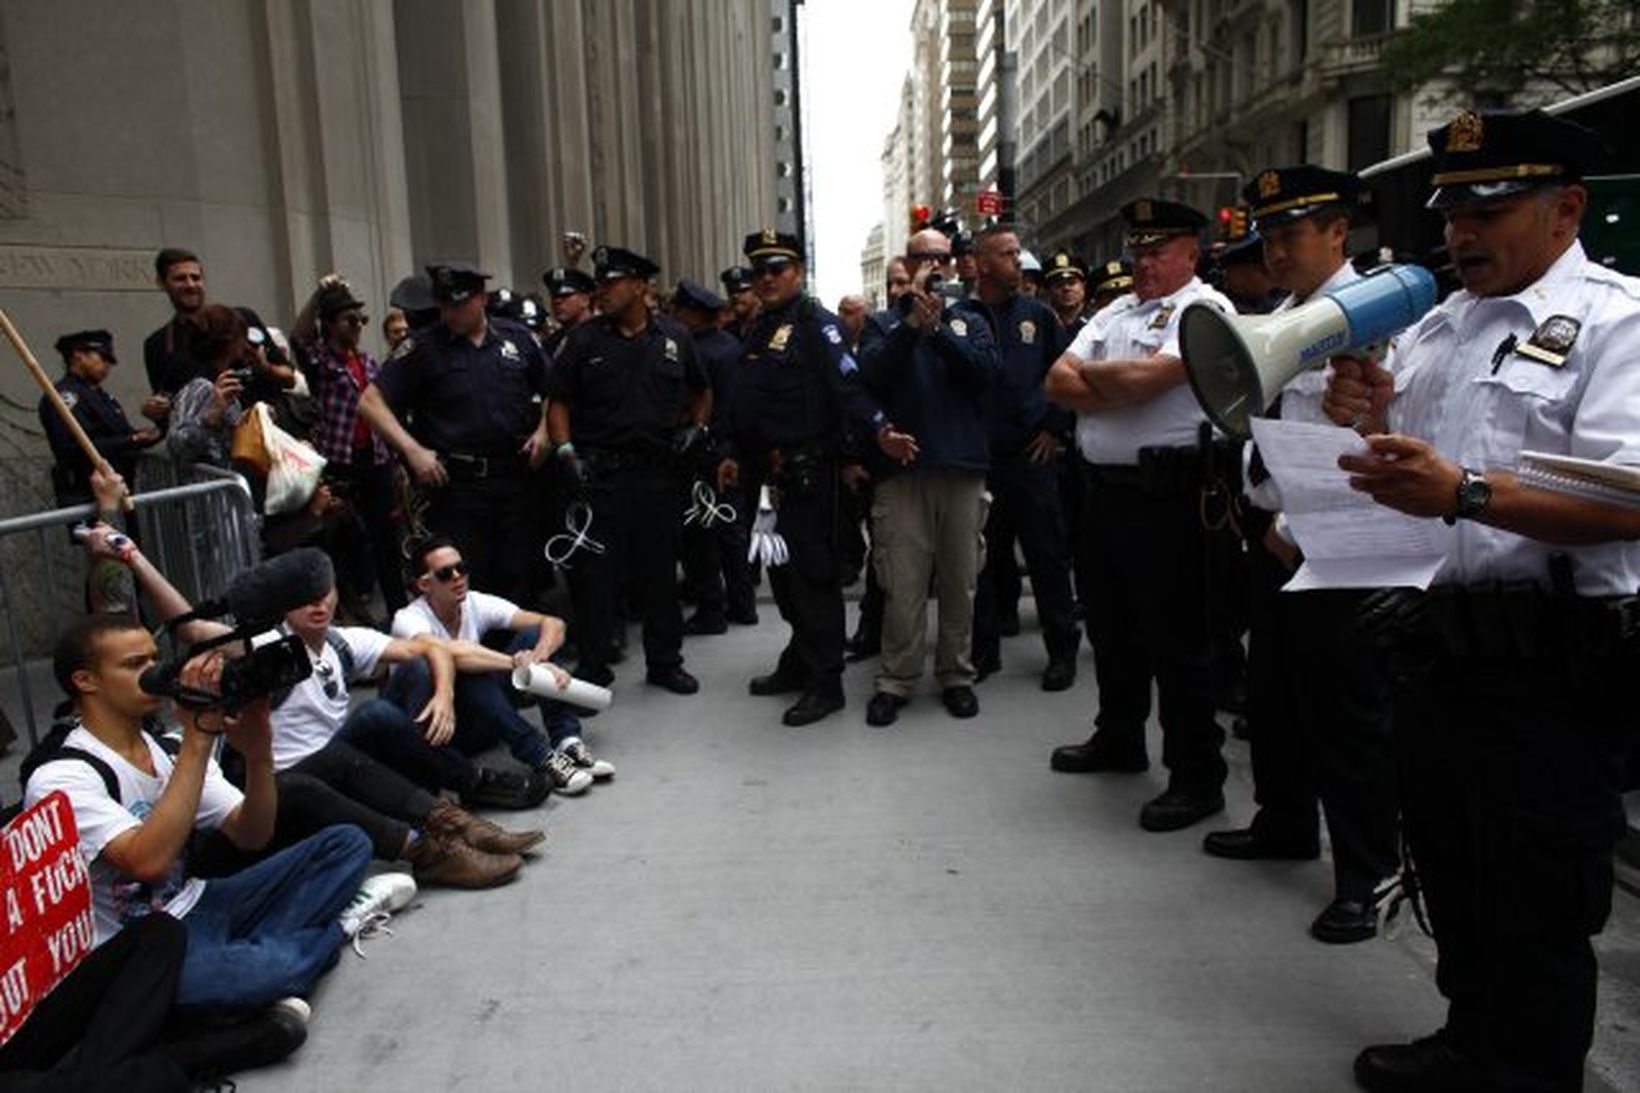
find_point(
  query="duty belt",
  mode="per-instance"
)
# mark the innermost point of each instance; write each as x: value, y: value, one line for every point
x: 1511, y: 620
x: 467, y: 466
x: 1163, y: 470
x: 604, y: 461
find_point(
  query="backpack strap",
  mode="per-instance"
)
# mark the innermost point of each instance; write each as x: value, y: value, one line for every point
x: 344, y: 653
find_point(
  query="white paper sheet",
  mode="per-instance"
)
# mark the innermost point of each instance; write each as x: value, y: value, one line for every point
x: 1348, y: 539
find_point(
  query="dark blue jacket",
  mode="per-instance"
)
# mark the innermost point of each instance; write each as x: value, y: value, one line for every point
x: 1029, y: 339
x: 933, y: 387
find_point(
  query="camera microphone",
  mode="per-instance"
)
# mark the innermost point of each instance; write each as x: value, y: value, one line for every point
x: 260, y: 596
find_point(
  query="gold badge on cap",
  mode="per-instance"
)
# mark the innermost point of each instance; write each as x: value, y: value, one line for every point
x: 1465, y: 133
x: 1027, y: 332
x: 1269, y: 184
x: 1141, y: 210
x: 770, y: 237
x: 1552, y: 341
x: 1061, y: 261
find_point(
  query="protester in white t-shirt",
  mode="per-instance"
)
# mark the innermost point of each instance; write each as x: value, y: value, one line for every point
x: 449, y: 608
x: 253, y: 937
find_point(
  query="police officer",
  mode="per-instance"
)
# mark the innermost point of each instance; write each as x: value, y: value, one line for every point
x: 628, y: 400
x: 1066, y: 280
x: 716, y: 570
x: 798, y: 384
x: 467, y: 385
x: 1244, y: 276
x: 1112, y: 280
x: 570, y: 292
x: 740, y: 285
x: 1139, y: 432
x: 1318, y: 698
x: 1025, y: 431
x: 88, y: 357
x: 1517, y: 697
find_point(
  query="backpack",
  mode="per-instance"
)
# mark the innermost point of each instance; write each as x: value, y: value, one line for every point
x: 52, y: 749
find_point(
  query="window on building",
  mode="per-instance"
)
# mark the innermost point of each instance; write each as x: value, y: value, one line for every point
x: 1369, y: 130
x: 1371, y: 16
x: 1272, y: 59
x: 1298, y: 21
x: 1301, y: 142
x: 779, y: 97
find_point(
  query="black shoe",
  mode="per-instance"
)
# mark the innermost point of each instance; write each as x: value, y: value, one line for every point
x: 960, y: 701
x: 676, y: 680
x: 775, y: 683
x: 706, y: 624
x: 986, y: 664
x: 861, y: 649
x: 1346, y: 921
x: 883, y: 709
x: 1179, y: 808
x: 1429, y: 1065
x: 207, y: 1051
x: 507, y: 789
x: 601, y: 674
x: 1251, y: 844
x: 811, y: 708
x: 1059, y: 675
x: 1095, y: 755
x: 747, y: 617
x: 1010, y: 625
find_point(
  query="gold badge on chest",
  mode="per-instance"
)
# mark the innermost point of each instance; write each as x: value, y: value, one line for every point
x: 1552, y: 341
x: 781, y: 336
x: 1159, y: 321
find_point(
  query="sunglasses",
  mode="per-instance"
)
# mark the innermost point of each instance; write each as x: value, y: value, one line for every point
x: 927, y: 256
x: 444, y: 574
x: 354, y: 318
x: 327, y: 678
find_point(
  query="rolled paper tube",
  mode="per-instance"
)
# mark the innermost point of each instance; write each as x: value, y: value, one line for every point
x: 535, y: 679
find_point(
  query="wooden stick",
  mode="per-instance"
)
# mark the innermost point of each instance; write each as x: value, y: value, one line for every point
x: 69, y: 420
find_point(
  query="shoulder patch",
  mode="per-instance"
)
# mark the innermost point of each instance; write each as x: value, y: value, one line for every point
x: 509, y: 351
x: 403, y: 348
x: 833, y: 335
x: 70, y: 399
x: 1027, y: 332
x: 959, y: 327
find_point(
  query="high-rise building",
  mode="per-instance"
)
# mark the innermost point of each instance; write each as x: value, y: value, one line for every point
x: 997, y: 89
x: 897, y: 174
x: 959, y: 103
x: 874, y: 267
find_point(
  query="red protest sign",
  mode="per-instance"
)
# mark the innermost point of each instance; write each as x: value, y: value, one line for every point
x: 46, y: 891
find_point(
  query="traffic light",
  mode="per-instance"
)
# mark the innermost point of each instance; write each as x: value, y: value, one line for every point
x: 1232, y: 221
x: 920, y: 216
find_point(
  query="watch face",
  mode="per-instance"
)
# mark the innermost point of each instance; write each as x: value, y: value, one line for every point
x: 1473, y: 494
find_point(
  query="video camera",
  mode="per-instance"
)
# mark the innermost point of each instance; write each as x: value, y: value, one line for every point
x: 257, y: 600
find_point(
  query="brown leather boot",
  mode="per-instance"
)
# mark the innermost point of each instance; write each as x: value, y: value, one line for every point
x: 445, y: 859
x: 456, y: 822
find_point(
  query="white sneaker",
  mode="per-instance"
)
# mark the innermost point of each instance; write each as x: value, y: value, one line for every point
x: 378, y: 897
x: 578, y: 753
x: 567, y: 778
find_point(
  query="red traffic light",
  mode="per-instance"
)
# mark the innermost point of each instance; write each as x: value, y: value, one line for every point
x: 1226, y: 214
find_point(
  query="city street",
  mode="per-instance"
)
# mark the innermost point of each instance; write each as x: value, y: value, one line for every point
x: 749, y: 906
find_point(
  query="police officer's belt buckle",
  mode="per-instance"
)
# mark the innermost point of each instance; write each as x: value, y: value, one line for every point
x: 476, y: 466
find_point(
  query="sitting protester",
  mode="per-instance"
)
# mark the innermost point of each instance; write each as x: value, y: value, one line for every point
x: 257, y: 940
x: 449, y: 609
x: 340, y: 783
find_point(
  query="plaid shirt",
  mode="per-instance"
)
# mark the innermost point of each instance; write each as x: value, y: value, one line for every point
x: 338, y: 397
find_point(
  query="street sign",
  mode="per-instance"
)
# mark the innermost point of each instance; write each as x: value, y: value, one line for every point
x: 988, y: 203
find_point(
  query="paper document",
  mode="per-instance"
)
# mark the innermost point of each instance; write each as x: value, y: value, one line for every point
x: 1613, y: 483
x: 1348, y: 539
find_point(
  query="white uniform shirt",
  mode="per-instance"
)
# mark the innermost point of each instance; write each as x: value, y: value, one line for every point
x: 480, y: 613
x: 1449, y: 393
x: 116, y: 898
x: 1301, y: 398
x: 316, y: 707
x: 1129, y: 328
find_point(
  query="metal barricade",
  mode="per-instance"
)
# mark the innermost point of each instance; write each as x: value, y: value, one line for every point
x: 196, y: 523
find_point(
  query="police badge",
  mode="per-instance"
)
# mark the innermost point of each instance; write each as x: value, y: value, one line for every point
x: 1552, y: 341
x: 671, y: 350
x: 783, y: 334
x: 1160, y: 319
x: 1269, y: 184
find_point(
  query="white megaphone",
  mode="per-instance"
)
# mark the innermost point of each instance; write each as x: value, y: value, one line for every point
x: 1237, y: 366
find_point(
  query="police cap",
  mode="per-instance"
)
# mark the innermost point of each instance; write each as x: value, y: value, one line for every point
x: 564, y: 281
x: 1487, y: 154
x: 614, y: 263
x: 456, y: 281
x: 1113, y: 276
x: 98, y: 341
x: 1289, y: 193
x: 413, y: 294
x: 1062, y: 265
x: 1151, y: 221
x: 690, y: 294
x: 736, y: 279
x: 771, y: 248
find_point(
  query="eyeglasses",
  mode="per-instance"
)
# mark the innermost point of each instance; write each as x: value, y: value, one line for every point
x: 927, y: 256
x: 327, y: 678
x: 444, y: 574
x: 354, y: 318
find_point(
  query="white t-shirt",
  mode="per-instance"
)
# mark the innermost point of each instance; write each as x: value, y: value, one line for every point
x: 1129, y: 328
x: 480, y: 613
x: 316, y: 707
x: 117, y: 899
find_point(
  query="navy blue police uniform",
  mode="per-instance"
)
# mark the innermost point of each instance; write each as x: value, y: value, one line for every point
x: 98, y: 413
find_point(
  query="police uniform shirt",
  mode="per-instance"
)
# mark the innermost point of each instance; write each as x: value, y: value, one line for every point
x: 782, y: 399
x: 719, y: 352
x: 1029, y: 338
x: 626, y: 393
x: 1126, y: 329
x: 465, y: 398
x: 103, y: 420
x: 1566, y: 384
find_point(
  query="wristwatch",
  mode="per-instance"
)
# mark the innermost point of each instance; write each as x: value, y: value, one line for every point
x: 1474, y: 494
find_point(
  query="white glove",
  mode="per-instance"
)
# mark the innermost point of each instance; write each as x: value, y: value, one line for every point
x: 767, y: 545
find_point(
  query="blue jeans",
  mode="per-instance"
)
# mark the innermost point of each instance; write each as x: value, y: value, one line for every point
x: 271, y: 931
x: 484, y: 710
x: 386, y: 730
